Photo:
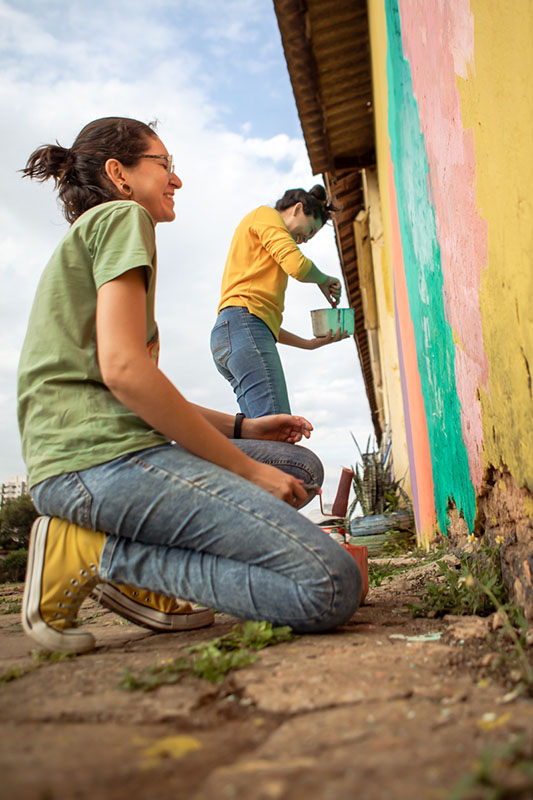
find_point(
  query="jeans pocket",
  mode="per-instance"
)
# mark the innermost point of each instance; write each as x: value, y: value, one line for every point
x: 220, y: 343
x: 64, y: 496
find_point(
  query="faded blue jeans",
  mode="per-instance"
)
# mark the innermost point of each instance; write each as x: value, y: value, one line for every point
x: 245, y: 353
x: 185, y: 527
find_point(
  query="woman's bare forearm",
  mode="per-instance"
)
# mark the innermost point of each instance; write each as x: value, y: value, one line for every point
x: 225, y: 423
x: 144, y: 389
x: 292, y: 340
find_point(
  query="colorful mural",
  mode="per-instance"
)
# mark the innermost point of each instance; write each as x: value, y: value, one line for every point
x: 454, y: 114
x: 434, y: 340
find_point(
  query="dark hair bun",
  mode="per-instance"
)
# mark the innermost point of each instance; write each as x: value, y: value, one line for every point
x: 319, y: 192
x: 79, y: 171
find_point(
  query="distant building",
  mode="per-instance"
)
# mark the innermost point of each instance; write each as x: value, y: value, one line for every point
x: 15, y: 486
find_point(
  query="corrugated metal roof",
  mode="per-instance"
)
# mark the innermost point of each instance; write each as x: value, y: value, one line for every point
x: 327, y: 48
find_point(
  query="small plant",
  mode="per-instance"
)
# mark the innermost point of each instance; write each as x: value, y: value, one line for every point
x: 376, y: 490
x: 47, y: 657
x: 477, y: 588
x: 13, y: 673
x: 211, y: 660
x: 377, y: 573
x: 464, y: 590
x: 39, y: 658
x: 513, y: 618
x: 10, y: 606
x: 94, y: 615
x: 500, y: 773
x: 255, y: 635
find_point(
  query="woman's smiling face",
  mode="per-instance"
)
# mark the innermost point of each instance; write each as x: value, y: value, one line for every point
x: 301, y: 226
x: 151, y: 184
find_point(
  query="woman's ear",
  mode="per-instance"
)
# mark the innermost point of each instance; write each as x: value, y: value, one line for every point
x: 297, y: 208
x: 115, y: 172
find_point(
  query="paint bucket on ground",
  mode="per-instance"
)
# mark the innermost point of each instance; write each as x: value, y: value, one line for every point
x: 358, y: 552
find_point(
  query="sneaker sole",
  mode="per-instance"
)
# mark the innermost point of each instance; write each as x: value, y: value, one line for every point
x: 147, y: 617
x: 68, y: 641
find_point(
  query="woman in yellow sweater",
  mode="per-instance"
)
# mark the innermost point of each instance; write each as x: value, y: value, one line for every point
x: 263, y: 253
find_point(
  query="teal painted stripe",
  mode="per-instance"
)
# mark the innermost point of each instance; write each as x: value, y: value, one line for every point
x: 433, y: 336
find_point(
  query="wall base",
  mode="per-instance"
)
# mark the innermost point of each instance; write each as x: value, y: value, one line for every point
x: 506, y: 511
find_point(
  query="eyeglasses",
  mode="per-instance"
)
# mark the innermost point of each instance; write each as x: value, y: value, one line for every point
x: 168, y: 159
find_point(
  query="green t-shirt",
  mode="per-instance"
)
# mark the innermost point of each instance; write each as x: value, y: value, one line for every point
x: 68, y: 418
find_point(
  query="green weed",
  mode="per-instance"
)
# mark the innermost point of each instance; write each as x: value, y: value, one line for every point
x: 47, y: 657
x: 95, y: 615
x: 13, y: 673
x: 377, y: 573
x: 500, y: 774
x: 476, y: 587
x: 39, y: 658
x: 10, y: 606
x: 211, y: 660
x: 514, y: 620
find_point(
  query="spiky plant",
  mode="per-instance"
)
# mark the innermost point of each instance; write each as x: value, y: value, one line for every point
x: 376, y: 490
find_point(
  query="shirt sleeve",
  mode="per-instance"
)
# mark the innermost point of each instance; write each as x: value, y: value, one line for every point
x: 272, y: 232
x: 122, y: 240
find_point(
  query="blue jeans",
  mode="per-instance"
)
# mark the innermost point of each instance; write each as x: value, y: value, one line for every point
x: 185, y: 527
x: 245, y: 353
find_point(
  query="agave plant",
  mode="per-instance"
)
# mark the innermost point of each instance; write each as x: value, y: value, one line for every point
x: 376, y: 490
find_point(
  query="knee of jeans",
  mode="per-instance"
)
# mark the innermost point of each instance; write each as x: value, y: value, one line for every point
x: 317, y: 468
x: 337, y: 601
x: 312, y: 464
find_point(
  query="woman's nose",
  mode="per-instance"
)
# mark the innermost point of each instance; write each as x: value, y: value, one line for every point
x: 176, y: 181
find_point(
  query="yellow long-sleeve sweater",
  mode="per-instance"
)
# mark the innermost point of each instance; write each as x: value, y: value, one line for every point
x: 261, y: 256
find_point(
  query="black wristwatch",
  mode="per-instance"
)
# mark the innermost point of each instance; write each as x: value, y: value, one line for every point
x: 238, y: 425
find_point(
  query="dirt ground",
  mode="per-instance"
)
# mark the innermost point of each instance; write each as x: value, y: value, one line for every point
x: 386, y: 708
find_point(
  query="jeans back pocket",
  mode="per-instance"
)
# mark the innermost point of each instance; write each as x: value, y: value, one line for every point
x: 220, y: 343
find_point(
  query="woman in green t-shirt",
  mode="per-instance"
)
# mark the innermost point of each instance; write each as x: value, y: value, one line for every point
x: 149, y: 497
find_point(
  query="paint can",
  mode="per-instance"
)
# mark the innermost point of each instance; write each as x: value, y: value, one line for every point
x: 324, y: 320
x: 358, y: 552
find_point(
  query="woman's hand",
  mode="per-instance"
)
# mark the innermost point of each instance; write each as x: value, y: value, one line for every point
x: 331, y: 289
x: 278, y: 483
x: 320, y: 341
x: 277, y: 428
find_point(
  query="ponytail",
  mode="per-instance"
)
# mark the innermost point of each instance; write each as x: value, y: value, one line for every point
x: 79, y: 172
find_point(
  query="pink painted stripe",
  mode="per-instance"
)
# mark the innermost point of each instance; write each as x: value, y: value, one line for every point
x: 438, y: 42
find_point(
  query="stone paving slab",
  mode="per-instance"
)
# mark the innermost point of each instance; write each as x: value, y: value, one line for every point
x: 354, y: 713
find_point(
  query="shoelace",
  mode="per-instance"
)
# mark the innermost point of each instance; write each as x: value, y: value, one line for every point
x: 167, y: 605
x: 68, y: 610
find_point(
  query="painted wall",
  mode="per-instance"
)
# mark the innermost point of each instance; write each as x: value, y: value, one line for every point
x: 454, y: 116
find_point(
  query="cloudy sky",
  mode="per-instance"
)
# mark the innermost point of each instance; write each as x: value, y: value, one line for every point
x: 214, y: 76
